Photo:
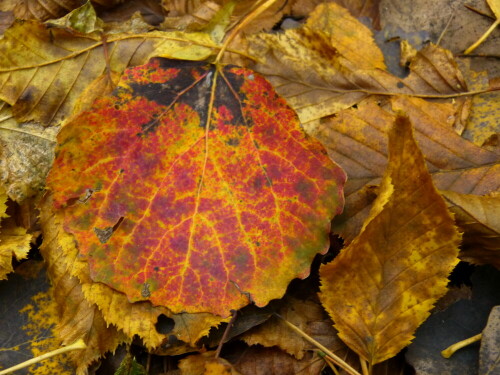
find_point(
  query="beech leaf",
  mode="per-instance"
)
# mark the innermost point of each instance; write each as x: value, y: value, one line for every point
x: 201, y: 194
x: 381, y: 287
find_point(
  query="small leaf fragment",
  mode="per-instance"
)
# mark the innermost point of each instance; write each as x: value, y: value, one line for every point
x: 381, y: 287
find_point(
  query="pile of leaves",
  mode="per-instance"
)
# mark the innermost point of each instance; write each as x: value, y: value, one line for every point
x: 239, y: 187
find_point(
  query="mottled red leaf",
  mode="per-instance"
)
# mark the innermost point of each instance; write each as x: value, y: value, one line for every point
x: 195, y: 187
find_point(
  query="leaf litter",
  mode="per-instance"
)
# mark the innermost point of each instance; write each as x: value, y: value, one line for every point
x: 345, y: 99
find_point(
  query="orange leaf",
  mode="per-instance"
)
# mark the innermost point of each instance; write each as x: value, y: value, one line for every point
x: 383, y: 285
x: 195, y: 188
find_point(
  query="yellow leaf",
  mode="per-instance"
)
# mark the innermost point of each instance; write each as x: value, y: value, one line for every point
x: 383, y: 285
x: 43, y: 70
x: 206, y: 364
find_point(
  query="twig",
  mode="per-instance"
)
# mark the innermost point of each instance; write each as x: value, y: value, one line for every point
x: 335, y: 358
x: 449, y: 351
x: 77, y: 345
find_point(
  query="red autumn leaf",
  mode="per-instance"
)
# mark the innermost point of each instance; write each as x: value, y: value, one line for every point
x: 195, y: 188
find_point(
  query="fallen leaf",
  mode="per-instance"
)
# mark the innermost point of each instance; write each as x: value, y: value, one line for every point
x: 83, y: 19
x: 130, y: 366
x: 44, y: 70
x: 479, y: 218
x: 208, y: 178
x: 26, y: 155
x: 132, y: 318
x: 308, y: 316
x: 272, y: 361
x: 356, y: 139
x: 489, y: 357
x: 381, y: 287
x: 206, y: 364
x: 495, y: 8
x: 333, y: 62
x: 78, y: 318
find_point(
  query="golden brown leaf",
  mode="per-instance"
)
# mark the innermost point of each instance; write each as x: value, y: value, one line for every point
x: 307, y: 315
x: 39, y: 9
x: 356, y: 139
x: 479, y: 218
x: 206, y: 364
x: 384, y: 284
x: 332, y: 62
x: 132, y: 318
x: 43, y: 71
x: 78, y: 317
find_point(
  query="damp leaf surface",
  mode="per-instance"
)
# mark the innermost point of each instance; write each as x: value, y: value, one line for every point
x: 194, y: 187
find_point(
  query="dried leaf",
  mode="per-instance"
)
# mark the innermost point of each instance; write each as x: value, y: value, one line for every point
x: 83, y: 19
x: 221, y: 175
x: 78, y: 317
x: 39, y: 9
x: 489, y: 357
x: 206, y: 364
x: 43, y: 71
x: 307, y: 315
x: 272, y: 361
x: 332, y: 62
x: 479, y: 218
x: 26, y: 155
x: 356, y: 139
x: 383, y: 285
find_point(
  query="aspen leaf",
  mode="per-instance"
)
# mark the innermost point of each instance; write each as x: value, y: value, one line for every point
x: 201, y: 194
x: 488, y: 356
x: 381, y: 287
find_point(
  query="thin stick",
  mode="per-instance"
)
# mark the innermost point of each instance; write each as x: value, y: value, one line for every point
x: 226, y: 333
x: 445, y: 28
x: 331, y: 365
x: 364, y: 367
x: 335, y: 358
x: 449, y: 351
x: 77, y: 345
x: 483, y: 37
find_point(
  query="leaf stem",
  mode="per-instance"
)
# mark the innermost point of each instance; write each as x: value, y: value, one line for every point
x: 449, y: 351
x: 334, y: 358
x: 483, y: 37
x: 249, y: 18
x: 77, y: 345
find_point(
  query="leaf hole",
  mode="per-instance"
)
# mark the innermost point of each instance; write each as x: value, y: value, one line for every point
x: 165, y: 325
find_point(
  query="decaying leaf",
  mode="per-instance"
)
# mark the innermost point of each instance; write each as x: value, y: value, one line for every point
x: 384, y: 284
x: 206, y: 364
x: 356, y: 139
x: 26, y: 155
x: 201, y: 194
x: 309, y: 316
x: 332, y: 62
x: 489, y: 356
x: 479, y: 218
x: 43, y: 70
x: 78, y: 317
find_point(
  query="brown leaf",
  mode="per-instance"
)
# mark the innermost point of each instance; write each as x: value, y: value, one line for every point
x: 332, y: 62
x: 479, y: 218
x: 384, y: 284
x: 356, y: 139
x: 272, y: 361
x: 307, y: 315
x: 78, y: 317
x: 26, y: 155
